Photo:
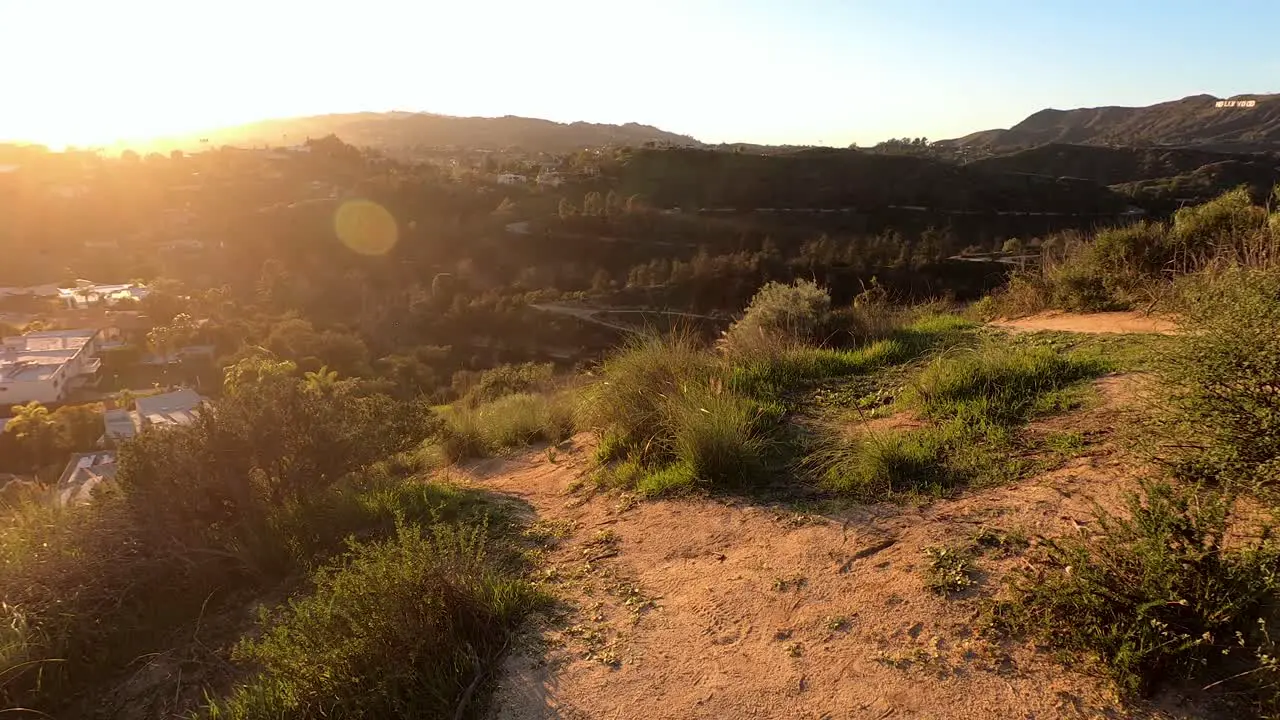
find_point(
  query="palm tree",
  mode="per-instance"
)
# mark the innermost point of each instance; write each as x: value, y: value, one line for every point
x: 321, y: 381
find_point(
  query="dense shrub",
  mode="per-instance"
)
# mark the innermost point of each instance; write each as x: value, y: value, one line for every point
x: 1131, y: 265
x: 1227, y: 227
x: 1160, y: 595
x: 273, y: 443
x: 404, y: 628
x: 1131, y: 253
x: 475, y: 388
x: 781, y: 315
x: 1220, y: 374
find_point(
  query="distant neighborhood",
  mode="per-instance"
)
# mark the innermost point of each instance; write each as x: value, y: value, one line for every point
x: 48, y: 372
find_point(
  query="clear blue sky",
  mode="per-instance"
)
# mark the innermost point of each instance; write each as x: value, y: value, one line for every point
x: 770, y: 71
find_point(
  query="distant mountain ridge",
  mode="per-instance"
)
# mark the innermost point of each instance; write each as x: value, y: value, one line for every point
x: 1194, y: 121
x: 401, y: 130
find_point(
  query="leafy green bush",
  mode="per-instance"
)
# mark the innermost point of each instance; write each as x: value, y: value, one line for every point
x: 779, y: 313
x: 1160, y: 595
x: 1219, y: 377
x: 404, y: 628
x: 1079, y: 285
x: 216, y: 483
x: 1227, y: 227
x: 996, y: 384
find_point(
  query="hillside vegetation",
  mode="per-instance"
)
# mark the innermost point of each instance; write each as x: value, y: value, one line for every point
x: 308, y: 549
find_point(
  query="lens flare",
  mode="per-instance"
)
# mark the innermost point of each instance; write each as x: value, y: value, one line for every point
x: 366, y: 227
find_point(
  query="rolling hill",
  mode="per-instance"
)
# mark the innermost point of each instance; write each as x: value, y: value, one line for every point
x: 403, y: 130
x: 1193, y: 121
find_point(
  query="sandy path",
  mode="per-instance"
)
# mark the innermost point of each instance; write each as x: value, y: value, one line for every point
x: 1108, y: 322
x: 717, y: 609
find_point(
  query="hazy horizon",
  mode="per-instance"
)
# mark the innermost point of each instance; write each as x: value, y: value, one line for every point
x: 814, y: 72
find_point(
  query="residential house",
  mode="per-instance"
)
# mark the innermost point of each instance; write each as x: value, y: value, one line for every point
x: 157, y: 411
x: 551, y: 179
x: 84, y: 474
x: 45, y: 366
x: 87, y: 293
x: 511, y: 179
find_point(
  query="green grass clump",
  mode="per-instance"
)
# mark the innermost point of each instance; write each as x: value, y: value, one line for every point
x: 403, y: 628
x: 999, y: 385
x: 722, y: 438
x: 974, y: 399
x: 511, y: 421
x: 629, y: 400
x: 888, y: 464
x: 1158, y: 596
x: 798, y: 368
x: 660, y: 404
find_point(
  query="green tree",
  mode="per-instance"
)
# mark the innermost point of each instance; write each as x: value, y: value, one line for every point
x: 566, y: 209
x: 177, y: 333
x: 37, y: 433
x: 251, y: 372
x: 80, y: 426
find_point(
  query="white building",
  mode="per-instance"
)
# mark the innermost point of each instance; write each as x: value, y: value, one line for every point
x: 511, y: 179
x: 45, y: 366
x: 550, y: 178
x: 88, y: 294
x: 164, y: 410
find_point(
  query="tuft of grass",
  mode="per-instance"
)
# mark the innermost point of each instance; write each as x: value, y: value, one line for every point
x: 629, y: 402
x: 721, y: 437
x: 885, y: 465
x: 1158, y: 595
x: 998, y: 385
x: 407, y: 627
x: 794, y: 369
x: 511, y: 421
x: 947, y: 569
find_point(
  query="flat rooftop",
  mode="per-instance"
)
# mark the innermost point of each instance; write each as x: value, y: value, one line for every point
x: 29, y: 367
x: 36, y: 356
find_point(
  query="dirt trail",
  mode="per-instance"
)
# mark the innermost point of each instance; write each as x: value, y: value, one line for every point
x: 727, y: 609
x: 1107, y: 322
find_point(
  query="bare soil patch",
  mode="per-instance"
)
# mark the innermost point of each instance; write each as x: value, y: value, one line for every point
x: 1106, y: 322
x: 707, y: 608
